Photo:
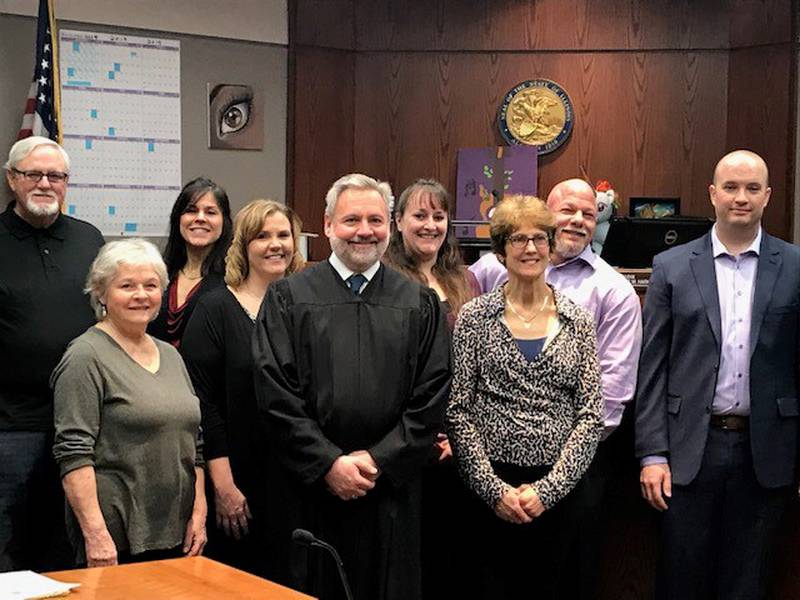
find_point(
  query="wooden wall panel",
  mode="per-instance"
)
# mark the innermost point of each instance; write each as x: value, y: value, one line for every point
x: 325, y: 23
x: 651, y: 123
x: 659, y: 98
x: 759, y: 22
x: 323, y: 133
x: 761, y: 119
x: 540, y: 24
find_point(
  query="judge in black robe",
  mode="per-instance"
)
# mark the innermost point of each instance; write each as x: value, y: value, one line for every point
x: 336, y: 373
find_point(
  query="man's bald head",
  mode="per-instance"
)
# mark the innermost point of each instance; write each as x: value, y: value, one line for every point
x: 740, y: 192
x: 575, y: 208
x: 577, y: 188
x: 741, y: 159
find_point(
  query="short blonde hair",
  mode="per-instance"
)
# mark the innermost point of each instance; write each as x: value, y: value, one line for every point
x: 246, y: 226
x: 514, y: 212
x: 135, y: 251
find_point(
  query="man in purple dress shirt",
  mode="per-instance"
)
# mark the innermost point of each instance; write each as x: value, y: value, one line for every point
x: 591, y: 282
x: 717, y: 405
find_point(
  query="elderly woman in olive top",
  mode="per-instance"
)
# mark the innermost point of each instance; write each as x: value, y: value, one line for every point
x: 525, y: 410
x: 127, y: 422
x: 423, y: 247
x: 199, y: 236
x: 216, y: 347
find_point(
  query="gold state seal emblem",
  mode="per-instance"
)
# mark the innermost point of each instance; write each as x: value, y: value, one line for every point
x: 537, y: 112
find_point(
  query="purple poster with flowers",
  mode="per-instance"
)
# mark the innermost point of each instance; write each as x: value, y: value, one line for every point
x: 485, y: 175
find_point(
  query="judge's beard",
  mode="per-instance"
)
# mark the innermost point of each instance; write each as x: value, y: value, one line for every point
x: 358, y: 259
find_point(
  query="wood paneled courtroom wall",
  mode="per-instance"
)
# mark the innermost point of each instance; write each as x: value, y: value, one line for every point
x: 661, y: 90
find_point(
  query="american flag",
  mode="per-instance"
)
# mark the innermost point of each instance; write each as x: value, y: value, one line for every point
x: 42, y: 109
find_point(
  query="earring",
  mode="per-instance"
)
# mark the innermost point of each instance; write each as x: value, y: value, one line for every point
x: 103, y: 311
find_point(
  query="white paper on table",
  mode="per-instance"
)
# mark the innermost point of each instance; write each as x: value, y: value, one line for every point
x: 27, y: 585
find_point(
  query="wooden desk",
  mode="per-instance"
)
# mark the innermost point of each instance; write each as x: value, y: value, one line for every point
x: 196, y: 578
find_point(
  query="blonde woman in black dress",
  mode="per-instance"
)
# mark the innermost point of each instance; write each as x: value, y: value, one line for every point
x: 216, y: 347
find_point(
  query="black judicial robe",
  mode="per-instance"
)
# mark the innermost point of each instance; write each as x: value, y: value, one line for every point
x: 336, y: 372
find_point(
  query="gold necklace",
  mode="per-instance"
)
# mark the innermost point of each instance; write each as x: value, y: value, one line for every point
x: 200, y: 276
x: 526, y: 323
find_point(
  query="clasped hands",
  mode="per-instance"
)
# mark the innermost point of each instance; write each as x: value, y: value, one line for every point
x: 519, y: 505
x: 352, y: 475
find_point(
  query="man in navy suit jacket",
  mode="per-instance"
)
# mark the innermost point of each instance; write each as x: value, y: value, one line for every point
x: 717, y: 403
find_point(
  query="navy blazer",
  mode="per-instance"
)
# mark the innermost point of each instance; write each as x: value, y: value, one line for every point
x: 681, y: 352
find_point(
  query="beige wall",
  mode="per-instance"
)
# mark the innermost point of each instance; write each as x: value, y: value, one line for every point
x: 244, y: 174
x: 253, y: 20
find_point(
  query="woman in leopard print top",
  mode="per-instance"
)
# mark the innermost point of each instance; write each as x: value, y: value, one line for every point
x: 525, y: 414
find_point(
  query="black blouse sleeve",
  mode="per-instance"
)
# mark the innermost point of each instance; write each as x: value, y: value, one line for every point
x: 203, y: 352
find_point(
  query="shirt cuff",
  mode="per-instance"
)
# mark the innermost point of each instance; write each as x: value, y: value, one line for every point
x: 654, y: 459
x: 72, y: 463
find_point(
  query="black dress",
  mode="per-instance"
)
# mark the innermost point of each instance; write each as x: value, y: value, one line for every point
x: 170, y: 323
x: 216, y: 349
x: 336, y: 373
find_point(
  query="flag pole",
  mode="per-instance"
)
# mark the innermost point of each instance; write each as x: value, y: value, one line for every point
x: 56, y: 71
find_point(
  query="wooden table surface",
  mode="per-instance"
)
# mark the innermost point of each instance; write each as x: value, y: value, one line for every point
x: 196, y: 578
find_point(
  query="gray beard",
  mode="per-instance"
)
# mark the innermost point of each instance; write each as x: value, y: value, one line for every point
x: 568, y: 251
x: 42, y: 210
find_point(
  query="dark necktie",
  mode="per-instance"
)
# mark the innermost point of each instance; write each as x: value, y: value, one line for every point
x: 355, y: 281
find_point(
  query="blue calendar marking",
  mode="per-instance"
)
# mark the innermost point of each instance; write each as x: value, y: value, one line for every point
x: 112, y: 82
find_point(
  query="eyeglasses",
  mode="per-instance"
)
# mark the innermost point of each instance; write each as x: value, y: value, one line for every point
x: 36, y: 176
x: 520, y: 240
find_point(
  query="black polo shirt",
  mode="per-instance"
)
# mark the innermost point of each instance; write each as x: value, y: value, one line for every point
x: 42, y: 308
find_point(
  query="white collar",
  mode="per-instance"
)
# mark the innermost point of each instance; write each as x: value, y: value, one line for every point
x: 718, y: 248
x: 345, y: 272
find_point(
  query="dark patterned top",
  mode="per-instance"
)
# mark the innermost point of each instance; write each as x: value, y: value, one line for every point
x: 171, y: 320
x: 506, y: 409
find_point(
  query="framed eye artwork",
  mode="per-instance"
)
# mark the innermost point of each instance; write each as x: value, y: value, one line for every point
x: 235, y: 117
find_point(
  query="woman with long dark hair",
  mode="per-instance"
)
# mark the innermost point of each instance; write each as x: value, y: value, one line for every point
x: 422, y: 247
x: 199, y: 235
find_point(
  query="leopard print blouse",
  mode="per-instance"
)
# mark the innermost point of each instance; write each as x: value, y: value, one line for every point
x: 505, y: 409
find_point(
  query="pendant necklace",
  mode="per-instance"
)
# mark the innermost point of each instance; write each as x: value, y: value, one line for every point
x: 526, y: 323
